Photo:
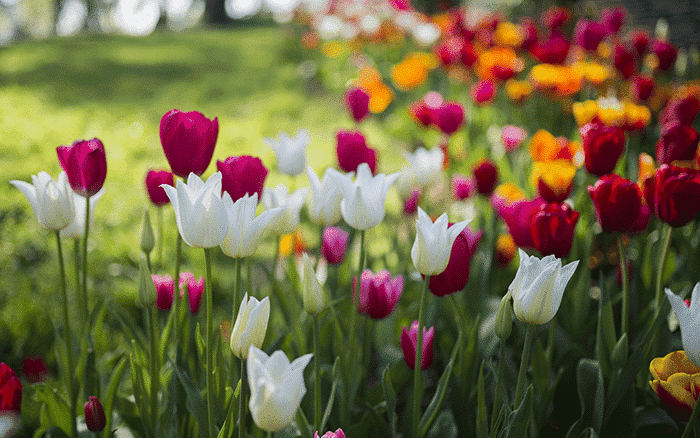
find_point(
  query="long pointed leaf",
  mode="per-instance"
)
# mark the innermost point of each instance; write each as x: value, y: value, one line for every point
x: 482, y: 427
x: 112, y: 392
x: 390, y: 397
x: 195, y: 403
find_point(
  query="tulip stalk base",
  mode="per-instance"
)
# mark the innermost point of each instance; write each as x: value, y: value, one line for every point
x: 210, y: 343
x: 692, y: 429
x: 84, y: 297
x: 417, y: 393
x: 318, y: 414
x: 524, y: 363
x: 662, y: 261
x: 625, y: 289
x: 234, y: 306
x: 242, y: 406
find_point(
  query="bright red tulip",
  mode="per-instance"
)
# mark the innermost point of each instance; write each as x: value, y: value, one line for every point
x: 641, y: 87
x: 188, y: 141
x: 379, y: 294
x: 409, y: 339
x: 85, y: 165
x: 518, y: 217
x: 352, y: 151
x: 95, y: 418
x: 602, y: 147
x: 241, y: 175
x: 154, y: 178
x: 673, y: 194
x: 617, y: 203
x: 10, y: 390
x: 553, y: 229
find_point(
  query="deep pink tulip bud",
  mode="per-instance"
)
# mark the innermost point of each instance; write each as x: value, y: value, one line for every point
x: 673, y: 194
x: 552, y: 51
x: 409, y: 339
x: 602, y: 146
x: 188, y: 140
x: 623, y: 61
x: 195, y: 289
x: 614, y: 18
x: 677, y: 142
x: 10, y: 390
x: 241, y: 175
x: 553, y: 229
x: 95, y: 418
x: 449, y: 51
x: 410, y: 206
x: 640, y: 41
x: 421, y: 113
x: 467, y: 54
x: 357, y: 103
x: 34, y: 369
x: 529, y: 31
x: 518, y: 217
x: 588, y: 34
x: 462, y: 187
x: 335, y: 241
x: 641, y: 87
x: 455, y: 276
x: 482, y: 92
x: 378, y: 293
x: 165, y: 289
x: 85, y: 165
x: 352, y: 151
x: 666, y: 52
x: 617, y: 203
x: 486, y: 176
x: 337, y: 434
x: 449, y: 117
x: 154, y: 178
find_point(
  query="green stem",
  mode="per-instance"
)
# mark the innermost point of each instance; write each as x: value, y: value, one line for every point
x: 242, y: 406
x: 417, y: 393
x: 72, y: 393
x: 76, y: 258
x: 662, y: 260
x: 154, y: 364
x: 231, y: 375
x: 524, y: 363
x: 176, y: 294
x: 317, y: 376
x: 84, y: 299
x: 161, y: 233
x: 625, y: 288
x: 208, y: 291
x: 692, y: 425
x: 499, y: 383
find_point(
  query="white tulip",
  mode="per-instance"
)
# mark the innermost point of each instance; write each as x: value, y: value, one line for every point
x: 291, y: 204
x: 51, y: 201
x: 76, y: 229
x: 424, y: 169
x: 244, y: 229
x: 324, y: 198
x: 290, y: 152
x: 538, y: 287
x: 199, y: 210
x: 250, y: 326
x: 276, y: 387
x: 689, y: 320
x: 433, y: 245
x: 312, y: 292
x: 363, y: 200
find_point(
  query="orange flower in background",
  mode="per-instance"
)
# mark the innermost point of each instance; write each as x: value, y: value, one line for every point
x: 508, y: 35
x: 412, y: 71
x: 505, y: 249
x: 584, y: 112
x: 646, y: 168
x: 553, y: 179
x: 518, y: 91
x: 557, y: 80
x: 498, y: 63
x: 676, y: 380
x: 543, y: 146
x: 380, y: 95
x: 507, y: 193
x: 292, y: 242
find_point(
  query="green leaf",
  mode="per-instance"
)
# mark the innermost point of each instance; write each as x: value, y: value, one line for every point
x: 619, y: 353
x: 140, y: 395
x: 303, y: 424
x: 201, y: 349
x: 482, y: 426
x: 591, y: 395
x: 112, y: 391
x: 54, y: 432
x: 518, y: 421
x: 91, y: 379
x: 225, y: 428
x: 540, y: 368
x: 195, y: 403
x: 444, y: 426
x: 165, y: 335
x: 331, y: 397
x: 55, y: 410
x: 389, y: 396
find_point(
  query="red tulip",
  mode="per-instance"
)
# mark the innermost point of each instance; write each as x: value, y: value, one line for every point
x: 677, y: 142
x: 455, y: 276
x: 552, y: 51
x: 188, y: 141
x: 357, y: 103
x: 624, y: 61
x: 640, y: 41
x: 409, y: 340
x: 673, y: 194
x: 10, y: 390
x: 482, y: 92
x: 518, y: 217
x: 666, y: 52
x: 94, y: 415
x: 555, y: 17
x: 241, y: 175
x: 613, y: 18
x: 154, y: 178
x: 448, y: 117
x: 195, y: 289
x: 602, y: 146
x: 421, y: 113
x: 486, y: 176
x: 335, y: 241
x: 682, y: 110
x: 641, y: 87
x: 379, y: 294
x: 449, y: 51
x: 85, y: 165
x: 588, y: 34
x: 352, y: 150
x: 34, y: 369
x: 553, y: 229
x: 165, y: 289
x: 617, y: 203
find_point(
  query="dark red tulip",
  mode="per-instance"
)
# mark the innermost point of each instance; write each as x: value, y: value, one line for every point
x: 486, y: 176
x: 673, y: 194
x: 95, y: 418
x: 529, y: 30
x: 642, y: 220
x: 357, y: 103
x: 588, y: 34
x: 455, y: 276
x: 550, y: 195
x: 409, y: 340
x: 448, y: 117
x: 553, y: 229
x: 613, y: 18
x: 241, y: 175
x: 555, y: 17
x: 154, y: 178
x: 666, y: 52
x: 624, y: 61
x: 352, y: 150
x: 421, y: 113
x: 34, y: 369
x: 641, y: 87
x: 10, y: 390
x: 640, y: 41
x: 379, y: 294
x: 677, y: 142
x: 602, y: 147
x: 617, y: 203
x: 188, y: 141
x: 518, y: 217
x: 552, y: 51
x: 85, y: 165
x: 682, y: 110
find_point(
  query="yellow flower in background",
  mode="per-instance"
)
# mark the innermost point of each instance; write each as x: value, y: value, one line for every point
x: 497, y: 63
x: 332, y: 49
x: 412, y: 71
x: 505, y: 249
x: 508, y: 35
x: 558, y: 80
x: 557, y: 175
x: 637, y: 116
x: 676, y: 380
x: 518, y: 91
x: 593, y: 72
x: 292, y: 242
x: 543, y: 146
x: 380, y: 95
x: 584, y: 112
x: 509, y: 193
x: 646, y: 168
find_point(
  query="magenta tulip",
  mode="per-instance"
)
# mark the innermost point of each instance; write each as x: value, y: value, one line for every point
x: 378, y: 293
x: 409, y: 339
x: 241, y: 175
x: 335, y: 241
x: 455, y: 276
x: 165, y: 288
x: 95, y: 419
x: 154, y: 178
x: 85, y: 165
x: 195, y: 289
x: 188, y: 140
x: 357, y: 103
x: 352, y: 151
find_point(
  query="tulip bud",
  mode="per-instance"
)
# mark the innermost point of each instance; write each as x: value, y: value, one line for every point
x: 188, y: 141
x: 617, y: 203
x: 588, y: 34
x: 335, y: 241
x: 337, y: 434
x: 352, y: 150
x: 147, y: 240
x: 357, y: 103
x: 147, y: 289
x: 462, y: 187
x: 553, y: 229
x: 410, y: 206
x: 641, y: 87
x: 85, y: 164
x: 623, y: 61
x: 512, y: 137
x: 486, y: 176
x: 195, y: 290
x: 409, y: 340
x: 379, y: 294
x: 290, y: 152
x: 504, y: 318
x: 94, y: 415
x: 250, y: 326
x: 666, y: 53
x: 603, y: 146
x: 154, y: 179
x: 241, y: 175
x: 314, y: 297
x: 165, y: 290
x: 482, y: 92
x: 689, y: 320
x: 613, y: 18
x: 448, y: 117
x: 10, y: 390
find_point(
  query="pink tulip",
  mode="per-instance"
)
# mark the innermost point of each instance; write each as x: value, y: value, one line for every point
x: 195, y: 289
x: 410, y: 205
x: 337, y: 434
x: 352, y: 151
x: 335, y: 241
x: 357, y: 103
x: 154, y: 178
x: 482, y: 92
x: 462, y: 187
x: 85, y: 165
x: 378, y: 293
x: 188, y: 141
x: 164, y: 291
x: 448, y: 117
x: 455, y: 276
x: 241, y: 175
x: 512, y: 137
x: 409, y: 339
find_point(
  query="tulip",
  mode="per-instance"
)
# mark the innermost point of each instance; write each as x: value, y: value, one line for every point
x: 363, y: 200
x: 624, y: 61
x: 165, y: 289
x: 666, y: 53
x: 241, y: 175
x: 424, y: 168
x: 505, y: 249
x: 76, y: 229
x: 337, y: 434
x: 462, y: 187
x: 552, y: 51
x: 188, y: 141
x: 553, y: 229
x: 482, y: 92
x: 379, y: 294
x: 681, y: 110
x: 314, y: 297
x: 538, y: 287
x: 154, y: 178
x: 34, y: 369
x: 553, y: 179
x: 95, y: 419
x: 410, y: 205
x: 85, y: 164
x: 673, y: 194
x: 588, y: 34
x: 245, y: 230
x: 431, y: 249
x: 10, y: 390
x: 689, y: 320
x: 518, y: 218
x: 603, y: 146
x: 199, y: 211
x: 352, y: 150
x: 555, y: 17
x: 250, y: 326
x: 290, y: 152
x: 409, y: 340
x: 323, y: 202
x: 357, y: 103
x: 613, y: 18
x: 617, y: 203
x: 51, y: 201
x: 512, y: 137
x: 677, y: 143
x: 486, y: 176
x: 448, y: 117
x: 455, y: 276
x: 290, y: 204
x: 335, y: 241
x: 195, y: 290
x: 641, y: 87
x: 276, y: 387
x: 675, y: 381
x: 640, y: 41
x: 421, y: 113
